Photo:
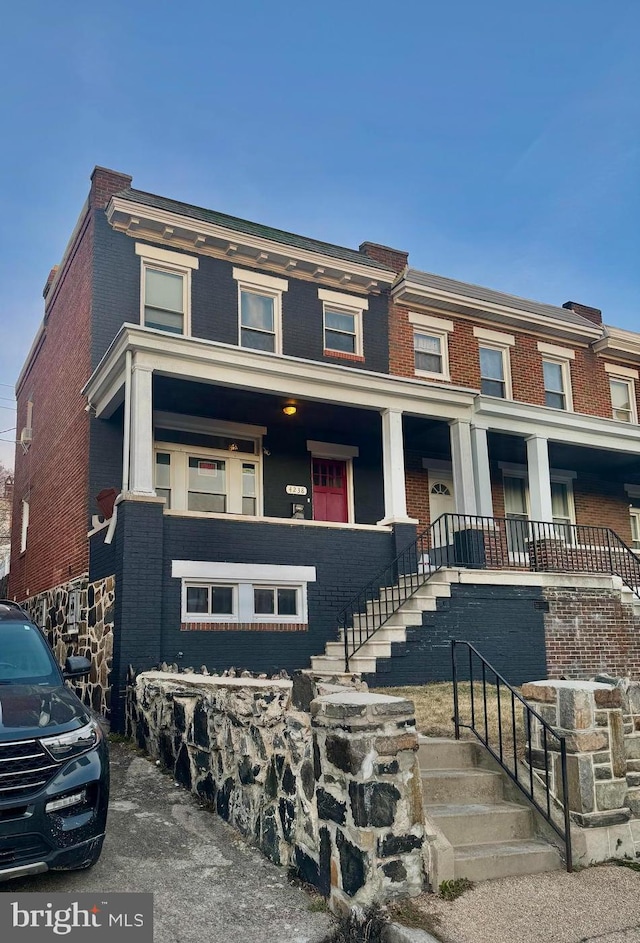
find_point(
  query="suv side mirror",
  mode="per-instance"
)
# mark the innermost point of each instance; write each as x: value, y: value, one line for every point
x: 76, y: 666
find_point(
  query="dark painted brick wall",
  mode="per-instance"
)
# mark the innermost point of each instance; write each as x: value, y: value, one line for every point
x: 102, y: 557
x: 214, y: 304
x: 501, y: 621
x: 344, y: 561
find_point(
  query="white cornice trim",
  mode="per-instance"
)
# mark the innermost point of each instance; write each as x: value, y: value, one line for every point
x: 340, y: 298
x: 256, y: 279
x: 417, y: 319
x: 530, y: 319
x: 557, y: 425
x: 165, y: 256
x: 186, y: 423
x: 618, y: 341
x: 138, y: 212
x: 494, y: 337
x: 259, y: 371
x: 564, y: 353
x: 617, y: 371
x: 332, y: 450
x: 251, y: 572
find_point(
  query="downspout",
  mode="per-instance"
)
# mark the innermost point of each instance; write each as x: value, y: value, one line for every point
x: 126, y: 439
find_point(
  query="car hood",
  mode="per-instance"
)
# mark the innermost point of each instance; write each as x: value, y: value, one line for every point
x: 32, y: 710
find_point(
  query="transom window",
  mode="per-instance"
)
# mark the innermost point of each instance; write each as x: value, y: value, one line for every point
x: 556, y: 384
x: 493, y: 371
x: 440, y: 488
x: 275, y: 600
x: 429, y: 352
x: 622, y: 399
x: 209, y: 599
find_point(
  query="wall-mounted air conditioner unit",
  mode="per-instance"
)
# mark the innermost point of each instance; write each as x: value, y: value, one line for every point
x: 26, y: 437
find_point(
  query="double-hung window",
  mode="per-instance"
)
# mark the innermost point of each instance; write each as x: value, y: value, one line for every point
x: 430, y: 345
x: 495, y: 362
x: 214, y: 472
x: 623, y: 392
x: 165, y: 290
x: 556, y: 375
x: 342, y: 323
x: 260, y: 310
x: 634, y: 514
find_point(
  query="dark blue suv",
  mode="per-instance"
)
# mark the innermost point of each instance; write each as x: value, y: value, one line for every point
x: 54, y: 759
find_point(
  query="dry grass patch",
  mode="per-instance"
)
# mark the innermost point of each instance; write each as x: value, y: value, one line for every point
x: 434, y: 713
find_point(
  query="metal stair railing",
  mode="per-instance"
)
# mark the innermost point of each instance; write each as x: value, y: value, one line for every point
x: 476, y: 542
x: 543, y: 780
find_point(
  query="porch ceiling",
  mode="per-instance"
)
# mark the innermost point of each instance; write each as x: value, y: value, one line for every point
x: 616, y: 466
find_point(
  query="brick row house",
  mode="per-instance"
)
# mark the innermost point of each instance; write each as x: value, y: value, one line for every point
x: 269, y: 420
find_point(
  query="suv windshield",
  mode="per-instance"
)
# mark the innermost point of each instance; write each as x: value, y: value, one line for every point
x: 24, y: 656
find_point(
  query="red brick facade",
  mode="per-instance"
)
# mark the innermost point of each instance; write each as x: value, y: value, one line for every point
x: 52, y: 475
x: 589, y: 631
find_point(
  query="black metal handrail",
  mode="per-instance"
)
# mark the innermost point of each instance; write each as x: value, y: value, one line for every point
x: 477, y: 542
x: 496, y: 737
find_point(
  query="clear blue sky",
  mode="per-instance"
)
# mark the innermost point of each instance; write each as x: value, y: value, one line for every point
x: 498, y: 142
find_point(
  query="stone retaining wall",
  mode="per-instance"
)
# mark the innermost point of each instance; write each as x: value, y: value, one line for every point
x: 90, y: 635
x: 334, y: 793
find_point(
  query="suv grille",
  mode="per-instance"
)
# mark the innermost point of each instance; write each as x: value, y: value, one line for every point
x: 25, y: 767
x: 20, y: 848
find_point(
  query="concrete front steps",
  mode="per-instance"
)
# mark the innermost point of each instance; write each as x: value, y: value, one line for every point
x: 365, y: 661
x: 482, y: 835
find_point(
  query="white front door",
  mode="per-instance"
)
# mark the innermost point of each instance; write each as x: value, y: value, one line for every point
x: 441, y: 501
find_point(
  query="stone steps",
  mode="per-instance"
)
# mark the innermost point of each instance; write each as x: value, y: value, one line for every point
x: 489, y: 837
x: 490, y: 860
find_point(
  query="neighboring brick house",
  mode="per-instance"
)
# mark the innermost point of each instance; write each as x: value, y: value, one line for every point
x: 275, y: 416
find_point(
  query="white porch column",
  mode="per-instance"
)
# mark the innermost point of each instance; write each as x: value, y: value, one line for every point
x: 480, y: 452
x: 539, y: 478
x: 464, y: 489
x: 395, y: 497
x: 141, y: 479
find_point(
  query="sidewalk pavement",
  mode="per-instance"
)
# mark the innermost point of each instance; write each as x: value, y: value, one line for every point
x: 596, y: 905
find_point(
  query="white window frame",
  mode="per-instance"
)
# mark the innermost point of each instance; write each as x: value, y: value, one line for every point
x: 270, y: 287
x: 432, y: 327
x: 24, y: 529
x: 179, y: 465
x: 244, y: 578
x: 506, y: 368
x: 634, y: 515
x: 342, y: 303
x: 173, y: 263
x: 628, y: 376
x: 565, y: 369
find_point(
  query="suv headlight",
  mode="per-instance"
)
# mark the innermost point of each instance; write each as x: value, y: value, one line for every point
x: 69, y: 745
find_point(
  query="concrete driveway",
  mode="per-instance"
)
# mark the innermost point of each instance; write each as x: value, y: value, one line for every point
x: 207, y: 883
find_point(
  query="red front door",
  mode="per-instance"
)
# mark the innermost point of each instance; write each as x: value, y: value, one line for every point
x: 330, y: 490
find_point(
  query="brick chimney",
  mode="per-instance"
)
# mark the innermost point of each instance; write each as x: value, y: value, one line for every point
x: 104, y: 183
x: 394, y: 259
x: 591, y: 314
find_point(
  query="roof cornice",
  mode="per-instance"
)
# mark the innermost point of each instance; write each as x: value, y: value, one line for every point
x: 407, y: 292
x: 619, y: 343
x: 194, y: 235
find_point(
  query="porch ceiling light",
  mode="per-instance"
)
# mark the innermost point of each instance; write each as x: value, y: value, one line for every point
x: 289, y: 409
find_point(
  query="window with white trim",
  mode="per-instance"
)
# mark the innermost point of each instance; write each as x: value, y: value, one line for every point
x: 634, y: 515
x: 342, y: 322
x: 25, y: 525
x: 495, y: 372
x: 260, y: 310
x: 243, y: 593
x: 165, y: 290
x: 556, y: 374
x: 623, y: 399
x: 431, y: 355
x: 225, y: 479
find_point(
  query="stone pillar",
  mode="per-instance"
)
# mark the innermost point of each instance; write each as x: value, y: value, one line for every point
x: 141, y: 478
x: 539, y: 478
x: 395, y: 496
x: 590, y: 717
x: 369, y: 798
x: 464, y: 487
x: 482, y: 474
